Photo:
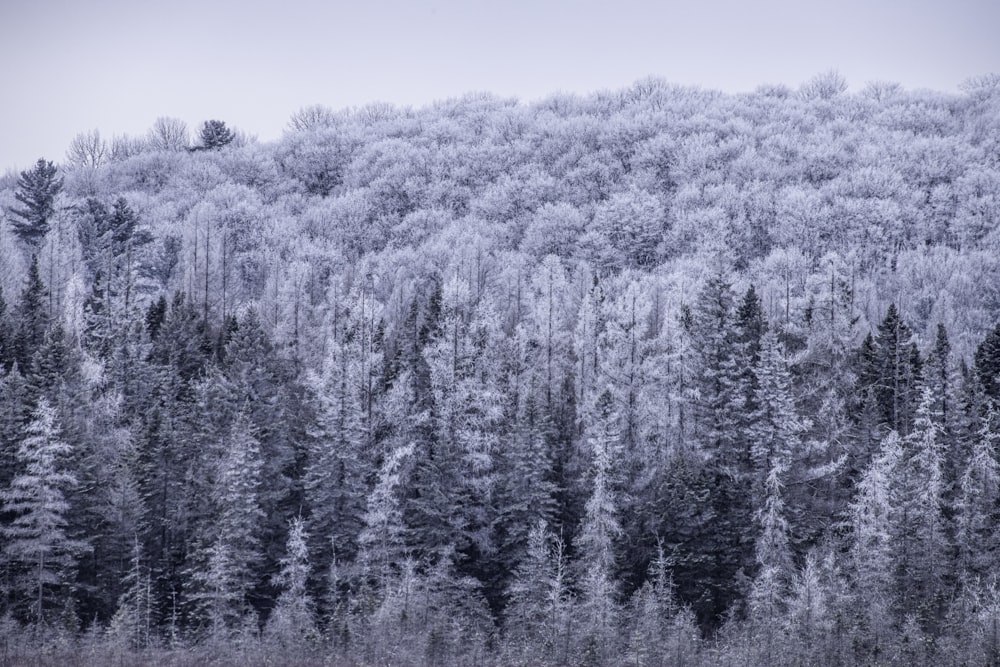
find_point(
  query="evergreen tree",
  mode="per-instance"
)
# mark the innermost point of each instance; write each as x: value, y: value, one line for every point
x: 719, y: 403
x: 978, y: 504
x: 292, y: 620
x: 598, y: 534
x: 770, y: 588
x: 751, y: 326
x: 891, y: 370
x: 214, y: 135
x: 6, y: 335
x: 720, y: 430
x: 15, y: 414
x: 40, y: 545
x: 381, y: 540
x: 335, y: 473
x: 31, y: 316
x: 662, y: 633
x: 525, y: 493
x: 218, y: 598
x: 923, y: 547
x: 155, y: 316
x: 811, y: 613
x: 527, y: 609
x: 987, y: 363
x: 238, y: 522
x: 539, y: 606
x: 134, y: 621
x: 36, y: 192
x: 777, y: 430
x: 941, y: 377
x: 874, y: 529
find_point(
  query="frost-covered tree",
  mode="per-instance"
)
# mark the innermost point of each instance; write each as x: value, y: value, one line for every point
x: 240, y: 514
x: 539, y: 606
x: 134, y: 622
x: 873, y: 522
x: 923, y: 545
x: 40, y: 546
x: 217, y: 596
x: 812, y: 608
x: 599, y: 532
x: 776, y: 433
x: 976, y: 533
x: 226, y: 566
x: 382, y: 539
x: 168, y: 134
x: 335, y: 459
x: 769, y: 592
x: 292, y: 621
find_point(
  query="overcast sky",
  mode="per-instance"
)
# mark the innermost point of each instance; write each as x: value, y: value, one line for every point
x: 116, y: 65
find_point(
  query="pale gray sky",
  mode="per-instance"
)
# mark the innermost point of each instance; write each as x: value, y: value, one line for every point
x: 116, y: 65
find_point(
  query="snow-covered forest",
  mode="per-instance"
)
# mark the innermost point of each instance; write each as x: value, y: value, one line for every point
x: 656, y: 376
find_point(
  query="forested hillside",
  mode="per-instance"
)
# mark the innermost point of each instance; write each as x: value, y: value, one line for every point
x: 655, y: 376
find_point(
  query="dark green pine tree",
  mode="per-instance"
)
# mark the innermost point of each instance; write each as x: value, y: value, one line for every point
x: 890, y: 368
x: 53, y: 362
x: 335, y: 469
x: 751, y: 326
x: 922, y: 541
x: 214, y: 134
x: 263, y: 383
x: 525, y: 494
x: 942, y: 377
x: 155, y: 316
x: 36, y: 192
x: 727, y: 542
x: 167, y: 451
x: 31, y: 317
x: 987, y: 363
x: 6, y: 336
x: 39, y: 547
x: 977, y: 504
x: 15, y: 412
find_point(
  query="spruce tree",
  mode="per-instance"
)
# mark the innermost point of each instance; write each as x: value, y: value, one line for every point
x: 721, y: 431
x: 539, y: 607
x: 987, y: 363
x: 599, y: 532
x: 897, y: 372
x: 40, y: 545
x: 134, y: 621
x: 334, y: 472
x: 293, y: 621
x: 32, y: 317
x: 15, y: 414
x: 6, y: 335
x: 776, y: 433
x: 923, y: 547
x: 382, y: 539
x: 874, y: 516
x: 977, y: 505
x: 240, y: 514
x: 811, y: 613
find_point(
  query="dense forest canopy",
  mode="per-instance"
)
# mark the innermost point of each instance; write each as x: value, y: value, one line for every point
x: 657, y: 375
